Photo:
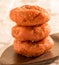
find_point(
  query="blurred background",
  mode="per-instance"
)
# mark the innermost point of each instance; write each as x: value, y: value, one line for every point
x: 6, y: 24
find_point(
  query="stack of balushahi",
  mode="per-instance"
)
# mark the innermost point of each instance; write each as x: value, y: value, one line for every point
x: 31, y: 31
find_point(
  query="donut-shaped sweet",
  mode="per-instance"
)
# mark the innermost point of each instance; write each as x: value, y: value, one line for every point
x: 33, y: 49
x: 29, y: 15
x: 35, y: 33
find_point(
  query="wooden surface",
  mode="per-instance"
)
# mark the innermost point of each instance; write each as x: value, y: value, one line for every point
x: 10, y: 57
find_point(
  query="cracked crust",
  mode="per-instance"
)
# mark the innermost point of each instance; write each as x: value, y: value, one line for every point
x: 31, y: 33
x: 34, y: 49
x: 28, y: 15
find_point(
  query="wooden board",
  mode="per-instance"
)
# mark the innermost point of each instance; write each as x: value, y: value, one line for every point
x: 10, y: 57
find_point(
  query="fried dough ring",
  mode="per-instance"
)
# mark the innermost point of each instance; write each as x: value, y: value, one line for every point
x: 33, y: 49
x: 31, y: 33
x: 29, y: 15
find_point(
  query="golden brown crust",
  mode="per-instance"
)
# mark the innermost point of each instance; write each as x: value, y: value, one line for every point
x: 31, y: 33
x: 28, y: 15
x: 30, y: 49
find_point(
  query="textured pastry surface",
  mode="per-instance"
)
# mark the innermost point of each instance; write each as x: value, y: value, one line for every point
x: 34, y: 49
x: 35, y: 33
x: 29, y: 15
